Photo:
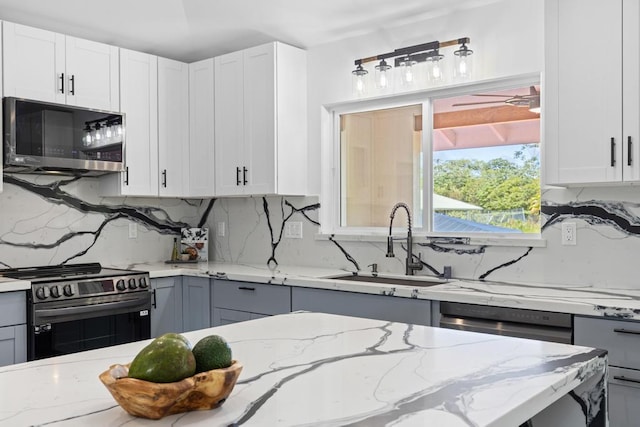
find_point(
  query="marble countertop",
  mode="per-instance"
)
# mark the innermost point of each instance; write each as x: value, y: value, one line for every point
x: 589, y: 301
x: 311, y: 368
x: 10, y: 285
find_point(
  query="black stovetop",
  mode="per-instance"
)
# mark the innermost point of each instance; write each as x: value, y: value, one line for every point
x: 63, y: 271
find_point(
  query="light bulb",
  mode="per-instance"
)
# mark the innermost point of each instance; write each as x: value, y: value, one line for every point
x: 359, y: 83
x: 382, y: 76
x: 463, y: 63
x: 434, y: 67
x: 406, y: 72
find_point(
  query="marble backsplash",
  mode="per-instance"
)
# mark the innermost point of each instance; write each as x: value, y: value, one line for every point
x: 49, y: 220
x: 605, y: 254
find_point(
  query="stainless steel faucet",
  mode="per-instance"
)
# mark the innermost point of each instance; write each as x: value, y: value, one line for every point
x: 410, y: 266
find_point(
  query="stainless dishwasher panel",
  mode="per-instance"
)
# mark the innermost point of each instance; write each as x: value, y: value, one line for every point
x: 512, y: 322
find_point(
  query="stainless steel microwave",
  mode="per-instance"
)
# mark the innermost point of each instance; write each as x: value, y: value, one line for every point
x: 43, y: 137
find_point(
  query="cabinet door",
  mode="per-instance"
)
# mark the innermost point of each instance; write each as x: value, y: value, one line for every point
x: 259, y: 119
x: 201, y: 127
x: 251, y: 297
x: 166, y: 311
x: 229, y: 124
x: 624, y: 397
x: 631, y: 93
x: 173, y: 127
x: 195, y: 303
x: 93, y: 77
x: 33, y: 62
x: 393, y: 309
x: 13, y: 344
x: 583, y: 92
x: 139, y: 103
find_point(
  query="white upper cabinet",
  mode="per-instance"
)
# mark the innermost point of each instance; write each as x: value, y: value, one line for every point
x: 139, y: 103
x: 591, y: 98
x: 260, y: 121
x: 51, y: 67
x: 201, y: 129
x: 173, y: 127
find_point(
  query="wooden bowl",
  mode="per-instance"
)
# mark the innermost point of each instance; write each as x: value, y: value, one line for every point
x: 206, y: 390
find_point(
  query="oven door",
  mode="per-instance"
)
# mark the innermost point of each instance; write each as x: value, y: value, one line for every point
x: 64, y: 327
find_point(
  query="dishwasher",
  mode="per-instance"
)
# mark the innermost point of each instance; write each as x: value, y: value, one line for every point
x: 512, y: 322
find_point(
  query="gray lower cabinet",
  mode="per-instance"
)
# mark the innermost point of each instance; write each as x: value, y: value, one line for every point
x: 166, y: 308
x: 195, y: 303
x: 394, y: 309
x: 621, y: 339
x: 13, y: 327
x: 233, y: 301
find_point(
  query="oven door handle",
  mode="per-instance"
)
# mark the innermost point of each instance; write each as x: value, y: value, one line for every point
x: 92, y: 308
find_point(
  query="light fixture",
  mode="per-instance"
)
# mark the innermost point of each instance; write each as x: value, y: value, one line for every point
x: 463, y: 63
x: 359, y: 82
x: 407, y: 58
x: 382, y: 77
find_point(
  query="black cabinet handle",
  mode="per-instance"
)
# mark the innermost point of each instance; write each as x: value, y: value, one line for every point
x: 153, y: 303
x: 62, y: 83
x: 73, y: 84
x: 629, y: 145
x: 622, y: 378
x: 164, y: 178
x: 246, y: 288
x: 244, y: 175
x: 126, y: 175
x: 613, y: 152
x: 237, y: 175
x: 626, y: 331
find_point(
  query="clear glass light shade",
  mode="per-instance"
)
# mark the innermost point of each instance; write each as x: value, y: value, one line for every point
x: 407, y: 72
x: 463, y: 63
x: 87, y: 139
x: 359, y: 81
x: 435, y: 73
x: 383, y: 75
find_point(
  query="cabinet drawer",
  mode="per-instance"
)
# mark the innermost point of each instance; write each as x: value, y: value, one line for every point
x: 624, y: 397
x: 13, y: 308
x: 620, y: 338
x: 251, y: 297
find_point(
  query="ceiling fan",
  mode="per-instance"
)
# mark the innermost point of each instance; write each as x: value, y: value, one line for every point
x: 530, y: 100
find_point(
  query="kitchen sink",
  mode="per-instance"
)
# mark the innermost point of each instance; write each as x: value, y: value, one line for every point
x: 422, y: 281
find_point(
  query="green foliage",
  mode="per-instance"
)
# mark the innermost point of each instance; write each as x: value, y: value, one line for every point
x: 495, y: 185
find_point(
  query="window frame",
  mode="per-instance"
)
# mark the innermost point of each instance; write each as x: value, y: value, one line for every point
x: 331, y: 168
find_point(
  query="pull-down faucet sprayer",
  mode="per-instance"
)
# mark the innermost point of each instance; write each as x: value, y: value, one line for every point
x: 410, y: 266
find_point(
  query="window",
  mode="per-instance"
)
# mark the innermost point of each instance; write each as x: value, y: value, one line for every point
x: 466, y: 163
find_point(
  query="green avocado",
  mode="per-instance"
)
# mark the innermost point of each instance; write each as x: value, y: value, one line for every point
x: 167, y: 359
x: 212, y: 352
x: 175, y: 336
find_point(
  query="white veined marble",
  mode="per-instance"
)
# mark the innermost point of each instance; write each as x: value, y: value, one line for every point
x: 310, y: 368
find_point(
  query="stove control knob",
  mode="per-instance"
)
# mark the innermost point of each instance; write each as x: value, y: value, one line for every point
x: 120, y: 285
x: 143, y: 283
x: 67, y: 290
x: 132, y: 284
x: 55, y: 291
x: 41, y: 293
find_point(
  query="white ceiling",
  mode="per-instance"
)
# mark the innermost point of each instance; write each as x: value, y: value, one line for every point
x: 190, y: 30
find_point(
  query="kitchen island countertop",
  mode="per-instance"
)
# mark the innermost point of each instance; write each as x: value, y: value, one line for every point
x: 312, y: 368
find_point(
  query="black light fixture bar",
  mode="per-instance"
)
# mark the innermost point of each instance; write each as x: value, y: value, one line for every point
x: 409, y: 51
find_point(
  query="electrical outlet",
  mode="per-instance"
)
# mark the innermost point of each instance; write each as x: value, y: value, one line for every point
x: 293, y: 230
x: 221, y: 229
x: 569, y: 233
x: 133, y: 230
